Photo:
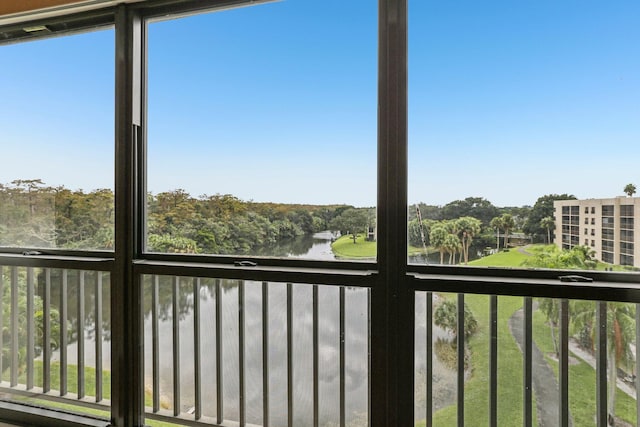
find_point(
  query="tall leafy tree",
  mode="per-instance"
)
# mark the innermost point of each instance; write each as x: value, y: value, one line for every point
x: 542, y: 208
x: 476, y: 207
x: 352, y: 221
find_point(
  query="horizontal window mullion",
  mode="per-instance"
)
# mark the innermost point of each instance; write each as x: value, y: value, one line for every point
x: 164, y: 8
x: 12, y: 28
x: 57, y: 261
x: 319, y: 276
x: 531, y: 287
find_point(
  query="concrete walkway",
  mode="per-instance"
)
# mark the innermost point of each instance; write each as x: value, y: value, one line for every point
x: 544, y: 379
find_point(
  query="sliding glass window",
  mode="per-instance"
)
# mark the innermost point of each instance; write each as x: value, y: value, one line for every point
x: 513, y: 112
x: 57, y: 121
x: 262, y: 132
x: 56, y: 196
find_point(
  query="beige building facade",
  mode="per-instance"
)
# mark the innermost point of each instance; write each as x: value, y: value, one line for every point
x: 605, y: 225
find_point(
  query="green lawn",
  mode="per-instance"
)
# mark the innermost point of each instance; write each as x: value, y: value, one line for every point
x: 344, y: 247
x: 582, y: 396
x: 509, y: 369
x: 72, y: 387
x: 511, y: 258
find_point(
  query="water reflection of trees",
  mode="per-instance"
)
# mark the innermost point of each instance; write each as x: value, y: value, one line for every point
x: 74, y: 280
x: 88, y: 280
x: 288, y: 247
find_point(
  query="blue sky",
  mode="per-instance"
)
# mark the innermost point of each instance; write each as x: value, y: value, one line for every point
x: 277, y: 102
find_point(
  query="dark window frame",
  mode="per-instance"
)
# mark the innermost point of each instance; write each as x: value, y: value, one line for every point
x: 393, y: 282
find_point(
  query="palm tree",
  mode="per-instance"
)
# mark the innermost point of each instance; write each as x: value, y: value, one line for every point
x: 497, y: 224
x: 437, y: 237
x: 508, y: 223
x: 548, y: 222
x: 452, y: 245
x: 630, y: 190
x: 620, y: 336
x: 467, y: 228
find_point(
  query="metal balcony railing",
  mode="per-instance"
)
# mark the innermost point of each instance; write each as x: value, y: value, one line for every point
x: 256, y: 353
x: 235, y: 352
x: 55, y: 337
x: 549, y: 389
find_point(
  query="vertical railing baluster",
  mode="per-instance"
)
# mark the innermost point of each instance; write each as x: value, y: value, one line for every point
x: 219, y: 370
x: 528, y: 359
x: 316, y: 349
x: 46, y: 332
x: 637, y: 362
x: 63, y: 332
x: 601, y: 364
x: 428, y: 359
x: 1, y: 319
x: 155, y: 338
x: 80, y: 333
x: 563, y: 366
x: 289, y: 355
x: 30, y: 328
x: 241, y: 392
x: 176, y: 345
x: 98, y: 333
x: 342, y: 357
x: 493, y: 361
x: 197, y: 365
x: 14, y: 326
x: 265, y: 354
x: 369, y: 356
x: 460, y: 344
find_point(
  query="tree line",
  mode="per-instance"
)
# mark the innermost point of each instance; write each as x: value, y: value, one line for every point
x: 33, y: 214
x: 474, y: 223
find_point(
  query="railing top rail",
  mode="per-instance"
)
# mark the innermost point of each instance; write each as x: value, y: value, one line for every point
x: 598, y: 290
x: 39, y: 259
x: 364, y: 278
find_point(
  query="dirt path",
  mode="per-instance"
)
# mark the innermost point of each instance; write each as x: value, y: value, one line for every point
x: 523, y: 250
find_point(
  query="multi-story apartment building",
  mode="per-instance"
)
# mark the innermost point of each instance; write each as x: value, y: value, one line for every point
x: 605, y: 225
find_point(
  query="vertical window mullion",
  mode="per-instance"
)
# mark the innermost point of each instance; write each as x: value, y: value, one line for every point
x: 392, y: 302
x: 126, y: 299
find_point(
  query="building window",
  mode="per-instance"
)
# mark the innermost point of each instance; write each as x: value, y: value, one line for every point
x: 626, y: 210
x: 626, y: 235
x: 607, y: 257
x: 626, y: 259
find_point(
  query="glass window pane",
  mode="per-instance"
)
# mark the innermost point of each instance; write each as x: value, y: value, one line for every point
x: 262, y: 131
x: 512, y: 110
x: 57, y: 121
